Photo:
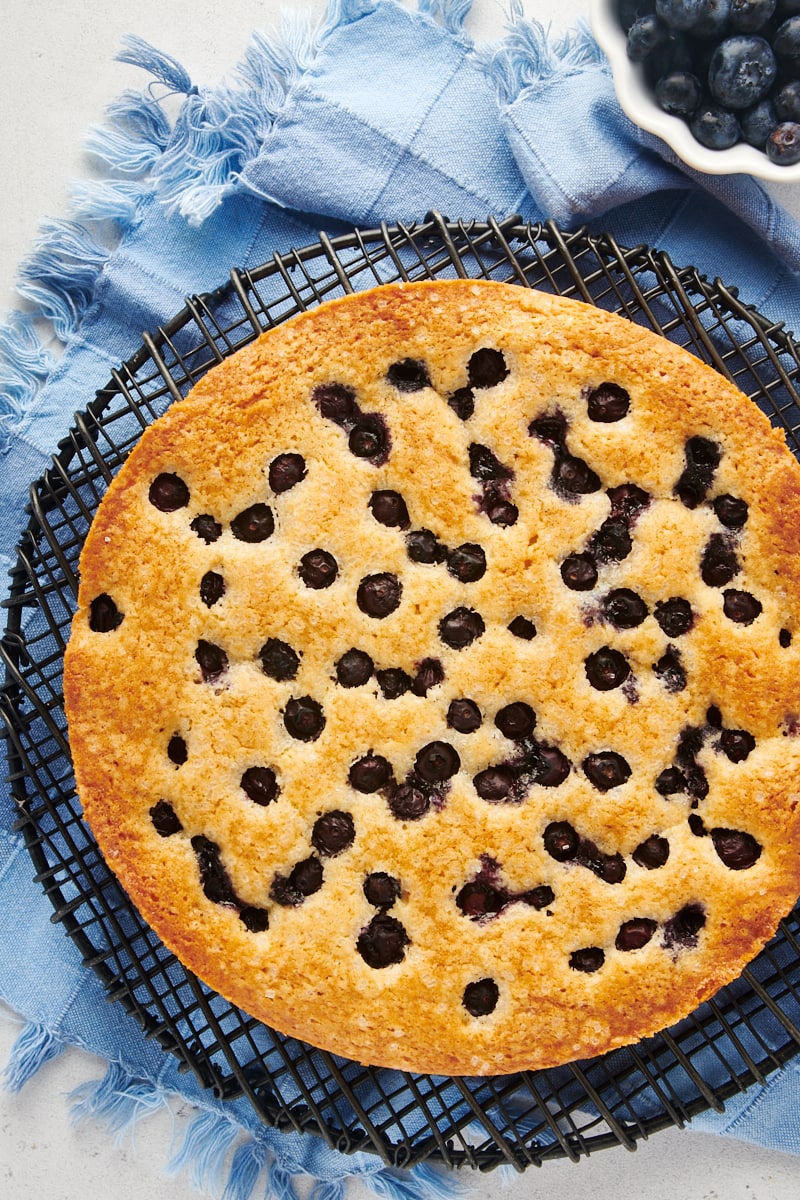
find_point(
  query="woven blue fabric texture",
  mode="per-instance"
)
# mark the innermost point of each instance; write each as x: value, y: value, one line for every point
x: 382, y: 114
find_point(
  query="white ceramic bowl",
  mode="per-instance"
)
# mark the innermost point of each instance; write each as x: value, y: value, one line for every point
x: 637, y: 102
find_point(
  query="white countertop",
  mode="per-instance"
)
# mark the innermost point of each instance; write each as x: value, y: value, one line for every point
x: 58, y: 74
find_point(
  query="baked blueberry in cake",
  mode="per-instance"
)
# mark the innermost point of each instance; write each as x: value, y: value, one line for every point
x: 433, y: 689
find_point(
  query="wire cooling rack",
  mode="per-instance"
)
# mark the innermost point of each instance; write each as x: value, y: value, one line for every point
x: 740, y: 1036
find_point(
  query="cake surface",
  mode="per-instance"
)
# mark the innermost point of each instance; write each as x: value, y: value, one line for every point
x: 433, y: 690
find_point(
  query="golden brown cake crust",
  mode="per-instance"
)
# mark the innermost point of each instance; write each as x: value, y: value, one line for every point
x: 595, y: 543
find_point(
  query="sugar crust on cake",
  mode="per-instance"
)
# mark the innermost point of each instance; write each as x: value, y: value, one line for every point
x: 134, y: 684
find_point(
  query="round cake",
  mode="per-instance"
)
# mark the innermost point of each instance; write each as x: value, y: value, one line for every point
x: 434, y: 689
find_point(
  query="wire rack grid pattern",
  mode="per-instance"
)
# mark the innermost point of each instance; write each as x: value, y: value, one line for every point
x: 747, y: 1031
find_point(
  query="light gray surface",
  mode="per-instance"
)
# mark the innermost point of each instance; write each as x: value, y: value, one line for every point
x: 57, y: 76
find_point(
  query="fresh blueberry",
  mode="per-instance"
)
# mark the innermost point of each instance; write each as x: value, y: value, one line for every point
x: 749, y: 16
x: 516, y: 720
x: 408, y: 803
x: 494, y: 783
x: 644, y: 35
x: 681, y: 14
x: 672, y: 54
x: 606, y: 769
x: 715, y: 128
x: 718, y: 562
x: 669, y: 670
x: 606, y: 669
x: 786, y: 45
x: 368, y: 438
x: 737, y: 744
x: 561, y: 841
x: 461, y: 627
x: 573, y: 477
x: 757, y: 123
x: 783, y: 144
x: 485, y: 466
x: 467, y: 563
x: 679, y: 93
x: 336, y: 402
x: 579, y: 572
x: 630, y: 10
x: 613, y: 541
x: 462, y: 403
x: 436, y: 762
x: 713, y: 21
x: 214, y: 878
x: 742, y: 70
x: 623, y: 608
x: 702, y: 455
x: 787, y: 102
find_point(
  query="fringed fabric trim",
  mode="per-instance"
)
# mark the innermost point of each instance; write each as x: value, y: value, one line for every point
x: 204, y: 1152
x: 24, y: 367
x: 451, y: 13
x: 420, y: 1183
x: 530, y: 55
x: 219, y: 1156
x: 118, y: 1100
x: 191, y: 167
x: 34, y: 1047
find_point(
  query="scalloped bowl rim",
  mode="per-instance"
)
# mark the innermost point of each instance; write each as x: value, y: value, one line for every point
x: 637, y: 103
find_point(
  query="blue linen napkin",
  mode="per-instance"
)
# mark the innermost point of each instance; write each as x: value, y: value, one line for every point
x: 308, y: 136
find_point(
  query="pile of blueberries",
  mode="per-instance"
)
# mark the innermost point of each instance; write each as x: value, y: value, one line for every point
x: 729, y: 68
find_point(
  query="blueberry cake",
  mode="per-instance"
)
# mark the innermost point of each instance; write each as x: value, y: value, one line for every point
x: 433, y: 690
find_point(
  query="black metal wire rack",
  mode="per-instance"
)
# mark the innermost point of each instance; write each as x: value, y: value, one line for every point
x: 747, y: 1030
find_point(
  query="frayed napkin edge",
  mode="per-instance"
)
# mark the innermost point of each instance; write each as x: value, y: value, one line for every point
x: 217, y: 1153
